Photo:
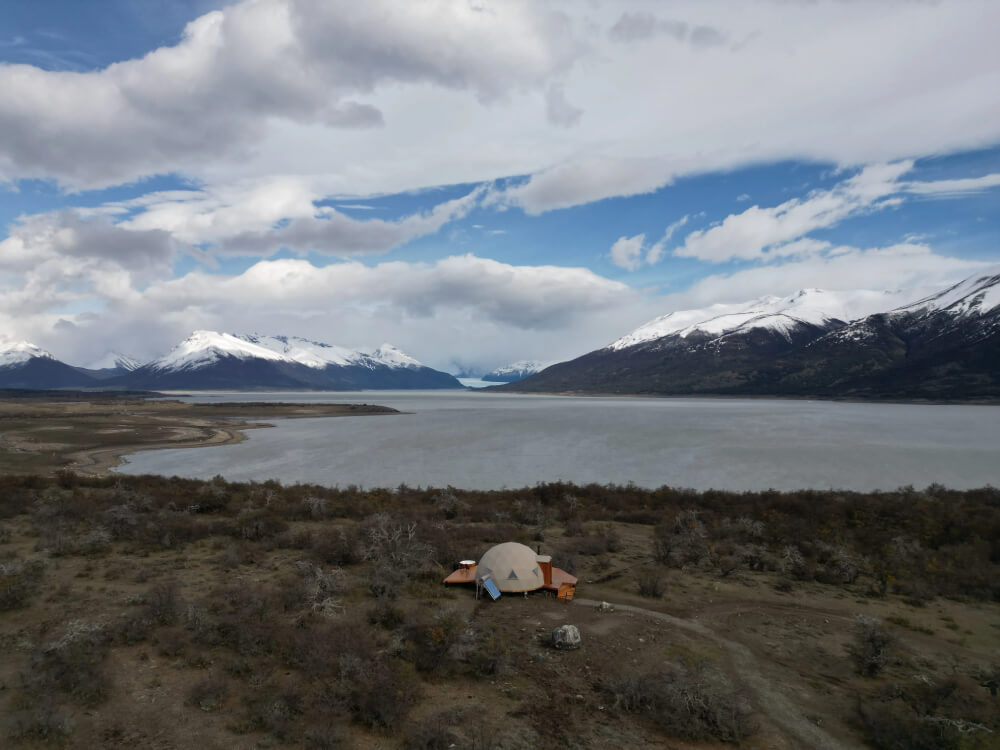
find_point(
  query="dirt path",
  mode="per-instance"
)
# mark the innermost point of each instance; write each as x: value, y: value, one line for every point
x: 770, y: 701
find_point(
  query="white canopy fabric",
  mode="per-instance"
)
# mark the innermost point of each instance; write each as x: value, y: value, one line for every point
x: 512, y: 567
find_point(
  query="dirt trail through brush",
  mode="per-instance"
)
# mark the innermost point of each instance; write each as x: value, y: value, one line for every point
x: 770, y: 701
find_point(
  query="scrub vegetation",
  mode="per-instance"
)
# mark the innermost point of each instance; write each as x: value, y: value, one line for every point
x: 163, y: 612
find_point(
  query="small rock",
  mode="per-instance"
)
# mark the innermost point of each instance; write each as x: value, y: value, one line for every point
x: 566, y: 637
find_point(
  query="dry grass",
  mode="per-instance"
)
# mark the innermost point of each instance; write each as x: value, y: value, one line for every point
x: 309, y: 617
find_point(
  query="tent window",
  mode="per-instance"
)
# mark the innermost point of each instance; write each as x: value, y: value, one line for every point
x: 512, y: 576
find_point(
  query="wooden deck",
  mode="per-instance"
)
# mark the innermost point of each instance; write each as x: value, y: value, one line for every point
x: 559, y: 577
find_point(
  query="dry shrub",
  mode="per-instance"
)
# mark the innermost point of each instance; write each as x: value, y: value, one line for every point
x: 337, y: 546
x: 163, y: 603
x: 379, y: 693
x: 19, y: 581
x: 871, y: 646
x: 491, y: 652
x: 438, y: 645
x: 651, y: 584
x: 432, y: 732
x: 396, y: 542
x: 387, y: 581
x: 171, y: 642
x: 682, y: 541
x: 274, y: 710
x: 325, y: 737
x: 73, y: 664
x: 42, y: 724
x: 209, y: 694
x: 694, y: 702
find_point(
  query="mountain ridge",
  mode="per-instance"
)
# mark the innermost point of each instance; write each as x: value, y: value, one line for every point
x: 213, y: 360
x: 942, y: 346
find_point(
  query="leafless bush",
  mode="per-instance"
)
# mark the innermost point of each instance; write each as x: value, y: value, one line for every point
x: 94, y: 541
x: 438, y: 645
x: 839, y: 565
x: 433, y: 732
x: 171, y: 642
x: 379, y: 693
x: 210, y: 693
x: 681, y: 542
x: 274, y: 710
x: 20, y: 580
x: 447, y: 503
x: 651, y: 584
x: 395, y: 542
x: 793, y: 563
x: 163, y: 603
x: 321, y: 589
x: 758, y: 557
x: 695, y: 702
x: 325, y: 737
x: 871, y: 645
x: 42, y: 724
x: 73, y: 664
x: 318, y: 506
x: 387, y: 581
x: 337, y: 546
x: 491, y: 652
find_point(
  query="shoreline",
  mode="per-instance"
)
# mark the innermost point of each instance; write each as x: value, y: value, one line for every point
x: 97, y: 462
x: 94, y: 437
x: 748, y: 397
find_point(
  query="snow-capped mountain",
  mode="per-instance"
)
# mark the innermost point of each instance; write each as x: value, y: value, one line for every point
x: 976, y: 295
x: 809, y: 307
x: 114, y: 362
x: 515, y: 371
x: 863, y: 344
x: 209, y: 359
x: 24, y: 365
x: 20, y: 352
x: 203, y: 348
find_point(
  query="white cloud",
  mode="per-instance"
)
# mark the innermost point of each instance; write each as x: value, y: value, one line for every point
x: 627, y: 252
x: 559, y: 111
x: 901, y: 266
x: 330, y: 232
x: 754, y: 233
x: 656, y: 251
x: 631, y: 252
x: 304, y: 61
x: 257, y: 218
x: 585, y: 180
x: 62, y: 235
x: 356, y: 92
x: 954, y: 187
x: 436, y: 310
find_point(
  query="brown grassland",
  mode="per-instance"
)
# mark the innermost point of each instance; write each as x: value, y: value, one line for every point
x: 167, y: 613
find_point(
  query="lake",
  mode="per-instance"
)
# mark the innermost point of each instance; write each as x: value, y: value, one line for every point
x: 490, y: 441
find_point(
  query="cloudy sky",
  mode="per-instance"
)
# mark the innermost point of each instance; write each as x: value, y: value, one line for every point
x: 475, y: 181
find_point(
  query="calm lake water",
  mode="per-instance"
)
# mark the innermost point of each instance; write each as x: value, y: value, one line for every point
x: 487, y: 441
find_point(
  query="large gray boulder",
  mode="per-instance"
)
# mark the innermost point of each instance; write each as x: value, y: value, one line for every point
x: 566, y: 637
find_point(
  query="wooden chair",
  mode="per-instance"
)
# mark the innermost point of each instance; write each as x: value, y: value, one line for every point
x: 566, y: 591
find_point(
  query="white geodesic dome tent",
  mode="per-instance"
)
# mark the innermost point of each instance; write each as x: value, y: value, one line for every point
x: 512, y: 567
